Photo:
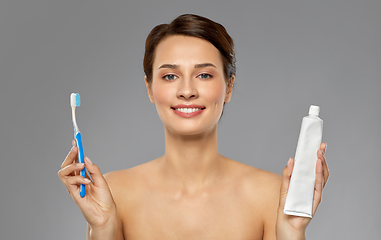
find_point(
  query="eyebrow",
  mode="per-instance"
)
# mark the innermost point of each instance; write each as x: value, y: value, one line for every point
x: 174, y: 66
x: 202, y: 65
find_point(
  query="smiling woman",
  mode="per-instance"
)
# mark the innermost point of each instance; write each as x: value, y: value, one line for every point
x: 188, y: 84
x: 192, y: 191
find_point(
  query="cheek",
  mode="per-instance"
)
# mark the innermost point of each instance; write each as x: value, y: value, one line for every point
x: 215, y: 94
x: 161, y: 94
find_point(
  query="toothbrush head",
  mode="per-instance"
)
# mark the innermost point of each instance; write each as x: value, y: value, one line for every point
x: 75, y: 100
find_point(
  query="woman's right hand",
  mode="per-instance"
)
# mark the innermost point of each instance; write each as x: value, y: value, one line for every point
x: 98, y: 206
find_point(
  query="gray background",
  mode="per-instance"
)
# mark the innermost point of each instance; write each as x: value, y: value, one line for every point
x: 290, y: 54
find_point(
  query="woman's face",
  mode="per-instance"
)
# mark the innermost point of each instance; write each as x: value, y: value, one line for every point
x: 188, y: 84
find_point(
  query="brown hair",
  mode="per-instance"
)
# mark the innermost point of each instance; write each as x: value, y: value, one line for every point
x: 193, y: 26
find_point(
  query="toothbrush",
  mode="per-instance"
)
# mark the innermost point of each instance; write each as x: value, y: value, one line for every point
x: 75, y: 101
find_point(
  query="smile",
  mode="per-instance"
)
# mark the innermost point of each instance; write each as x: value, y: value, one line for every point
x: 187, y: 110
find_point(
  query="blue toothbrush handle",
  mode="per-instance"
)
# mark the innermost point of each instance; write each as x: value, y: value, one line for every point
x: 81, y: 159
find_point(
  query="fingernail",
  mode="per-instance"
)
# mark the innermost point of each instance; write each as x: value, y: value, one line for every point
x: 289, y: 162
x: 80, y: 164
x: 88, y: 159
x: 87, y: 180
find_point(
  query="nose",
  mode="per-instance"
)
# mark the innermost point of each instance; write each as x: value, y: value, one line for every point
x: 187, y: 89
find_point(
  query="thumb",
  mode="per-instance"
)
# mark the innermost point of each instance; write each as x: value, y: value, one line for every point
x: 95, y: 173
x: 286, y: 176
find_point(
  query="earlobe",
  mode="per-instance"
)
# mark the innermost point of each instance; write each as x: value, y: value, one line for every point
x: 229, y: 89
x: 149, y: 90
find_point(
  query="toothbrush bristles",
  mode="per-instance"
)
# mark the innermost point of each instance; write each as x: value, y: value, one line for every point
x: 75, y: 100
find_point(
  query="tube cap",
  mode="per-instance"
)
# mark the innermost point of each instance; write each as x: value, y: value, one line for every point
x: 314, y: 110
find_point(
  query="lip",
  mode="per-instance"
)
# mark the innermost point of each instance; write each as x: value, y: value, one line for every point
x: 188, y: 106
x: 188, y: 115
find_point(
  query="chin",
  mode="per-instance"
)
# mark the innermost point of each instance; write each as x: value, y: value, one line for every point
x: 192, y: 130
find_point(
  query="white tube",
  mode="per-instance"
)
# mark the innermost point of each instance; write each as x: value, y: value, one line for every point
x: 301, y: 190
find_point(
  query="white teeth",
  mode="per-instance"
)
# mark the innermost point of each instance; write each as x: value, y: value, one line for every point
x: 188, y: 110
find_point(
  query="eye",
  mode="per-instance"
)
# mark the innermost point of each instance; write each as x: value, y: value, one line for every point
x: 204, y: 76
x: 170, y: 77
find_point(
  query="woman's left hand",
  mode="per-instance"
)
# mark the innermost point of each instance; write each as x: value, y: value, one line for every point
x: 294, y: 227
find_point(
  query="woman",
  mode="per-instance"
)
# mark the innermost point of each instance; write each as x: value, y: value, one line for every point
x: 192, y: 192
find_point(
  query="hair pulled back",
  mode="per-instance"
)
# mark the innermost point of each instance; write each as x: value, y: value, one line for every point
x: 193, y: 26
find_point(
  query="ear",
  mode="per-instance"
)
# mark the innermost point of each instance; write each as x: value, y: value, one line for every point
x: 229, y: 89
x: 149, y: 90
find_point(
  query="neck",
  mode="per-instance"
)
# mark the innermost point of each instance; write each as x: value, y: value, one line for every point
x: 192, y: 161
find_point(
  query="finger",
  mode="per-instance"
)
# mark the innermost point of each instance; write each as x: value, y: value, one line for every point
x: 321, y: 156
x: 88, y: 174
x: 68, y: 170
x: 74, y: 143
x: 70, y: 158
x: 286, y: 176
x: 318, y: 186
x: 323, y: 147
x: 325, y: 165
x: 325, y: 172
x: 95, y: 173
x: 76, y: 181
x: 73, y: 186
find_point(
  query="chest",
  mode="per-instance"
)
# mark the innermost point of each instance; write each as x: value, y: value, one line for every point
x: 223, y: 215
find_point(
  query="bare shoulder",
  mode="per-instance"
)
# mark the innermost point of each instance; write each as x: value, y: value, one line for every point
x: 259, y: 186
x: 262, y: 189
x: 126, y: 184
x: 255, y: 177
x: 125, y: 176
